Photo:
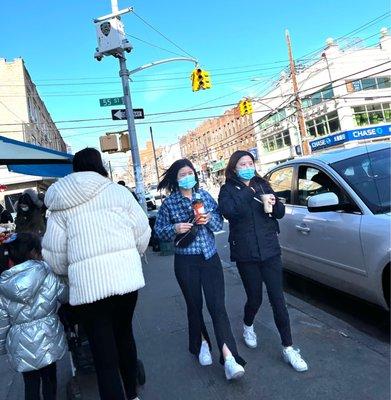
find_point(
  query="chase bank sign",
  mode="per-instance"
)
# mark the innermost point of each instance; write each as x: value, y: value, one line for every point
x: 348, y: 136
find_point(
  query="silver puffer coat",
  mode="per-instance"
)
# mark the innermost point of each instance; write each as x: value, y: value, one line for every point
x: 30, y: 330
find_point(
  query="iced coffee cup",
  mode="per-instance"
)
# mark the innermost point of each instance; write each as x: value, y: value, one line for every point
x: 268, y: 208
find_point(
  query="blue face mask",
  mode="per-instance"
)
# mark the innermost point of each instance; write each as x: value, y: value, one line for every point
x: 246, y: 173
x: 187, y: 182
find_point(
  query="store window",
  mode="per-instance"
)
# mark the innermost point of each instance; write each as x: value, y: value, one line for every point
x: 372, y: 114
x: 324, y: 125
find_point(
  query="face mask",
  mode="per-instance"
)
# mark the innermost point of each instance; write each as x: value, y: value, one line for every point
x: 187, y: 182
x: 246, y: 173
x: 24, y: 208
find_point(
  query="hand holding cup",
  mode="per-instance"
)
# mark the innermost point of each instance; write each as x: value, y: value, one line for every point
x: 268, y: 202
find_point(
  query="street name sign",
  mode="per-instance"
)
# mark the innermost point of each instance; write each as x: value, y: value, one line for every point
x: 138, y: 113
x: 113, y: 101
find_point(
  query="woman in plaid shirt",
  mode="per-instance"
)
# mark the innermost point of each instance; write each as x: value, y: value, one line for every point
x: 197, y: 265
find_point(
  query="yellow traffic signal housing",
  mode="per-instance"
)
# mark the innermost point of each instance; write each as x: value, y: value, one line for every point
x: 200, y: 79
x: 194, y: 81
x: 206, y: 80
x: 245, y: 107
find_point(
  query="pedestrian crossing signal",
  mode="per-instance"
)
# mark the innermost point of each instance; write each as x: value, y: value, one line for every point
x: 245, y: 107
x: 200, y: 80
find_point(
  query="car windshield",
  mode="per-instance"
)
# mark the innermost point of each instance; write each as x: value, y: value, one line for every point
x: 369, y: 176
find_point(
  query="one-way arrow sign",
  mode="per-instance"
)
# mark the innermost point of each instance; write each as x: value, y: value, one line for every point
x: 138, y: 113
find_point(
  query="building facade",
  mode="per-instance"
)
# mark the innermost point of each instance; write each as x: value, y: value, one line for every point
x: 210, y: 145
x: 23, y: 117
x: 23, y: 114
x: 148, y: 163
x: 345, y: 96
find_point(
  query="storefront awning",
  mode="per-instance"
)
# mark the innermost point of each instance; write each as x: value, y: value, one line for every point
x: 27, y: 158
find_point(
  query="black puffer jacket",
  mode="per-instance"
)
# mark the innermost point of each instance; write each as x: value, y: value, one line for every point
x: 252, y: 232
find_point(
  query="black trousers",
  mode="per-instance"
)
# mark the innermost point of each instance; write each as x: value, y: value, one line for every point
x: 253, y: 275
x: 108, y: 325
x: 45, y: 377
x: 196, y: 275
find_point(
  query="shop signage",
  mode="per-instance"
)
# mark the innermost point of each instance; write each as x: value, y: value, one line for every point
x: 218, y: 166
x: 351, y: 135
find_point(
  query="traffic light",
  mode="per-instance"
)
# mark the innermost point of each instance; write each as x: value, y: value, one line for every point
x: 206, y: 80
x: 245, y: 107
x: 200, y: 79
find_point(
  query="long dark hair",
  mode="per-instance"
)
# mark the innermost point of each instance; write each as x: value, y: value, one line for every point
x: 170, y: 182
x: 89, y: 159
x: 18, y: 249
x: 230, y: 170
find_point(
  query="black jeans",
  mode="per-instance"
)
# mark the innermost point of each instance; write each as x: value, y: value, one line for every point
x: 108, y: 325
x: 194, y: 275
x: 253, y: 275
x: 33, y: 379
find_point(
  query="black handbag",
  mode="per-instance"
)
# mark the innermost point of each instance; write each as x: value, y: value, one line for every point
x: 186, y: 239
x: 183, y: 240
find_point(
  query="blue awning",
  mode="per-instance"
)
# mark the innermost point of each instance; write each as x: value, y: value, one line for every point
x: 30, y: 159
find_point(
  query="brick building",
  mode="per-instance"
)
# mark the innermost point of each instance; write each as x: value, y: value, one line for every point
x: 23, y: 117
x: 210, y: 145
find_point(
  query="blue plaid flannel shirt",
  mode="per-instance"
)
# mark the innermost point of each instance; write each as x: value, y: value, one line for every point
x: 177, y: 208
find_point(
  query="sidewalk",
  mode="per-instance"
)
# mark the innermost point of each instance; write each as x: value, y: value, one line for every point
x: 344, y: 363
x: 340, y: 367
x: 11, y: 383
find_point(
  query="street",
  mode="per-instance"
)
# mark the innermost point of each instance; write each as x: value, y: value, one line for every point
x: 348, y: 357
x: 344, y: 340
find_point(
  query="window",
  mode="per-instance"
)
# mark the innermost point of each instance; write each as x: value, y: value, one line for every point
x: 275, y: 118
x: 324, y: 125
x: 324, y: 94
x: 312, y: 181
x: 369, y: 176
x: 378, y: 82
x: 277, y: 141
x: 281, y: 183
x: 372, y: 114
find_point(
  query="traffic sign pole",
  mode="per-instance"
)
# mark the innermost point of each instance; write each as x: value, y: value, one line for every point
x: 138, y: 176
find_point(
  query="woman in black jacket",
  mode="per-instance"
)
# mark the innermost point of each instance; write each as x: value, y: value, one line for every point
x: 255, y: 248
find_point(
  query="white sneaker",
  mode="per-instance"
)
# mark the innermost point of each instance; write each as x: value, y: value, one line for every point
x: 205, y: 358
x: 292, y: 356
x: 249, y: 336
x: 233, y: 370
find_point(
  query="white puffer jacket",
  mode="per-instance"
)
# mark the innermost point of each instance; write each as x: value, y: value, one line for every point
x: 95, y: 234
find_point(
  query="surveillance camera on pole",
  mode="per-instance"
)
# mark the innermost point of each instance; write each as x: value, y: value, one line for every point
x: 112, y: 41
x: 111, y: 36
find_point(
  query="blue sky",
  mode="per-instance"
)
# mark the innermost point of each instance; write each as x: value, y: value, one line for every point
x: 236, y: 41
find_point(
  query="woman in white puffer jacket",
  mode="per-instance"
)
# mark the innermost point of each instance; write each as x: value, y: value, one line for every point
x: 95, y: 234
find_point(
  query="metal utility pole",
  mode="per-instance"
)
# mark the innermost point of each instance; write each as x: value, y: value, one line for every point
x: 154, y: 154
x: 124, y: 74
x: 299, y: 110
x: 112, y: 42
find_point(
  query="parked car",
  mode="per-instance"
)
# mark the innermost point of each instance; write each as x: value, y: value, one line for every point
x: 156, y: 194
x: 337, y: 226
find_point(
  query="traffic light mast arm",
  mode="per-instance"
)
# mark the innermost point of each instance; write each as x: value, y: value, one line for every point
x: 167, y: 60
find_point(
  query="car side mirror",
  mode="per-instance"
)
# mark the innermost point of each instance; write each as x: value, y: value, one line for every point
x: 323, y: 202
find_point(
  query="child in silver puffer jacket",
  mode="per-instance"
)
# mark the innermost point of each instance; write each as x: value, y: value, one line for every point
x: 30, y: 330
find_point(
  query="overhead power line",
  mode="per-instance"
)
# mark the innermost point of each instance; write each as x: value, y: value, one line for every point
x: 161, y: 34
